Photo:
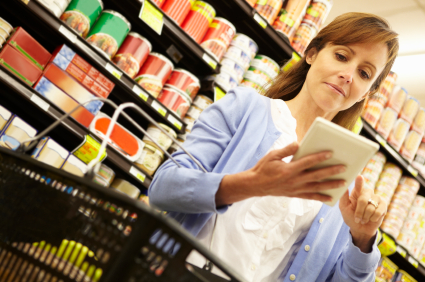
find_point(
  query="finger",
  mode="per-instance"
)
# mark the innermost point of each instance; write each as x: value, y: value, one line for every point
x: 320, y: 174
x: 317, y: 187
x: 289, y: 150
x: 315, y: 196
x: 369, y: 211
x: 358, y: 186
x: 345, y: 199
x: 380, y: 211
x: 310, y: 161
x: 362, y: 203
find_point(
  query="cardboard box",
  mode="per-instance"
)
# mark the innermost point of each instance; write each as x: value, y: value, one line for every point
x: 5, y: 116
x: 16, y: 132
x: 29, y: 47
x: 72, y: 57
x: 19, y: 65
x: 73, y: 88
x: 63, y: 101
x: 75, y: 166
x: 50, y: 152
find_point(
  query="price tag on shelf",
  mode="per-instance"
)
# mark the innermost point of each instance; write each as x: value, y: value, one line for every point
x: 210, y: 61
x: 138, y: 174
x: 381, y: 140
x: 89, y: 150
x: 413, y: 262
x: 40, y: 102
x: 218, y: 93
x: 401, y: 251
x: 160, y: 109
x: 175, y: 122
x: 68, y: 34
x: 259, y: 19
x: 139, y: 92
x: 152, y: 16
x: 113, y: 70
x: 413, y: 171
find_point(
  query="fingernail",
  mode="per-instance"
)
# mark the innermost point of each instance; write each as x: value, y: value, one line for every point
x: 342, y: 184
x: 357, y: 219
x: 328, y: 155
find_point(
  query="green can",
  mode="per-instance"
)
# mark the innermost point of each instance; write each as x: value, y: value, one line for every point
x: 82, y: 14
x: 109, y: 32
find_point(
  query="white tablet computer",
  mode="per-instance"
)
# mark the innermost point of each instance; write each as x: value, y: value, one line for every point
x: 348, y: 149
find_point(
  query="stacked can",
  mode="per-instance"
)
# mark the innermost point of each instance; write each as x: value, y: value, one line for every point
x: 419, y: 160
x: 177, y: 10
x: 109, y: 32
x: 81, y: 15
x: 388, y: 85
x: 372, y: 112
x: 290, y: 17
x: 388, y: 181
x: 218, y: 38
x: 373, y: 169
x: 412, y: 235
x: 5, y: 31
x: 198, y: 20
x: 304, y: 34
x: 317, y: 12
x: 261, y: 72
x: 268, y: 9
x: 398, y: 209
x: 57, y: 7
x: 154, y: 73
x: 251, y: 2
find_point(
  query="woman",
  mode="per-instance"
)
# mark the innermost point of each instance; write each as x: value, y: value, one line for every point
x: 267, y: 215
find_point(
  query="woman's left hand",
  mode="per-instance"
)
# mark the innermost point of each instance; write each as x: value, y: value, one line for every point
x: 362, y: 217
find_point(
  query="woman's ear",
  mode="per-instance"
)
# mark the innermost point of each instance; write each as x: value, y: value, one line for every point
x: 311, y: 55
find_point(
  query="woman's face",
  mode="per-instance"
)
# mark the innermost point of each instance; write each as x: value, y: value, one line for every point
x: 340, y: 75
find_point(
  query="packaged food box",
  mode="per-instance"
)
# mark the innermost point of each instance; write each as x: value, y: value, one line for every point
x: 72, y: 87
x: 29, y: 47
x: 19, y: 65
x: 63, y: 101
x: 75, y: 166
x: 73, y: 57
x: 50, y: 152
x: 386, y: 270
x: 16, y: 132
x: 410, y: 109
x: 4, y: 117
x: 93, y: 86
x: 121, y: 139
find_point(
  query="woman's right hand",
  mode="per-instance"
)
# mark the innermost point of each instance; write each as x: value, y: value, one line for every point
x: 273, y: 177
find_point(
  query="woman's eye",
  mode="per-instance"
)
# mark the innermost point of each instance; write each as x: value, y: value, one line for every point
x: 364, y: 74
x: 340, y: 57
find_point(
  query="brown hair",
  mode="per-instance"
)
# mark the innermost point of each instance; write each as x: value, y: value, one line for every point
x: 346, y: 29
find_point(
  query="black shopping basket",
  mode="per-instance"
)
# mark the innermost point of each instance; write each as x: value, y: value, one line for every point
x: 55, y: 226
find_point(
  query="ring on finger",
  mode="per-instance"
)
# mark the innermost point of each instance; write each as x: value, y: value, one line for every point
x: 373, y: 203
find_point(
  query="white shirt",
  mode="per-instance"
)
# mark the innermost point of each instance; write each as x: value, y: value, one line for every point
x: 256, y: 236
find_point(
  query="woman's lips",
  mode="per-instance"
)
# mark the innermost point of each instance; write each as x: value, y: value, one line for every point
x: 336, y: 89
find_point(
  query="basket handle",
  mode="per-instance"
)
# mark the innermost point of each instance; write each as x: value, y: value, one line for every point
x: 119, y: 110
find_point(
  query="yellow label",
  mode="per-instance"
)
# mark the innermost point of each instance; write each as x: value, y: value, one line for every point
x: 313, y: 13
x: 295, y: 58
x: 218, y: 93
x: 262, y: 2
x: 205, y: 10
x: 387, y: 246
x: 138, y: 174
x: 88, y: 150
x: 262, y: 22
x: 287, y: 20
x: 152, y: 16
x: 215, y: 25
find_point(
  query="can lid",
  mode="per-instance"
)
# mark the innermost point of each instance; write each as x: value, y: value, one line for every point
x: 154, y: 149
x: 268, y: 58
x: 115, y: 13
x: 4, y: 39
x: 163, y: 58
x: 233, y: 60
x: 189, y: 74
x: 168, y: 129
x: 175, y: 89
x: 244, y: 35
x: 228, y: 73
x: 226, y: 22
x: 135, y: 34
x: 7, y: 23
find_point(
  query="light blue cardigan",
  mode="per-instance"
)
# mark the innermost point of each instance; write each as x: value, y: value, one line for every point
x: 231, y: 136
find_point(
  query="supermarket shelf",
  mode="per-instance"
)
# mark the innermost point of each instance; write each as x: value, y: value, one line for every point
x: 393, y: 153
x: 211, y: 89
x: 174, y: 41
x: 247, y: 21
x: 41, y: 109
x: 47, y: 26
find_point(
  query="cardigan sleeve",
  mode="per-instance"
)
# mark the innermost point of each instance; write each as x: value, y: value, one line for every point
x: 188, y: 189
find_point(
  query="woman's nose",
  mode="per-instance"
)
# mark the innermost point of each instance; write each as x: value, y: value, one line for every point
x: 346, y: 76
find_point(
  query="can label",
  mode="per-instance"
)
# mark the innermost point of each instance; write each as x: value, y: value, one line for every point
x: 150, y: 83
x: 127, y: 63
x: 81, y: 15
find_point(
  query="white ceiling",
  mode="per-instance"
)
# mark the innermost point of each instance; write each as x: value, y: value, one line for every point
x: 407, y: 18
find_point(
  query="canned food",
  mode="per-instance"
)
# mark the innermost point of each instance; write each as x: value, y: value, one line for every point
x: 245, y: 43
x: 252, y: 83
x: 380, y: 157
x: 397, y: 98
x: 158, y: 136
x: 403, y: 276
x: 132, y: 54
x: 389, y: 229
x: 176, y: 100
x: 387, y: 86
x: 126, y: 187
x: 410, y: 109
x: 386, y: 122
x: 257, y: 74
x: 268, y: 9
x: 202, y: 102
x: 190, y: 122
x: 290, y: 17
x: 80, y: 15
x: 4, y: 33
x: 419, y: 121
x: 411, y: 225
x: 398, y: 210
x: 6, y: 26
x: 406, y: 239
x: 2, y: 40
x: 398, y: 133
x: 266, y: 64
x: 419, y: 201
x: 372, y: 112
x: 150, y: 159
x: 304, y: 34
x: 251, y: 2
x: 416, y: 248
x: 154, y: 73
x: 218, y: 37
x: 109, y: 32
x: 177, y: 9
x: 185, y: 81
x: 411, y: 145
x: 386, y: 270
x: 394, y: 219
x: 233, y: 67
x: 194, y: 112
x: 370, y: 174
x: 198, y: 20
x: 400, y: 200
x: 410, y: 182
x: 318, y: 11
x: 239, y: 55
x: 226, y: 80
x: 416, y: 213
x: 420, y: 155
x: 159, y: 3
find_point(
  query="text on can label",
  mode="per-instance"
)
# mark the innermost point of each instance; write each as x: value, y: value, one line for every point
x: 260, y: 20
x: 159, y: 108
x: 115, y: 72
x: 89, y: 150
x: 210, y: 61
x: 68, y: 34
x: 178, y: 124
x: 137, y: 173
x: 152, y: 16
x: 40, y: 102
x: 139, y: 92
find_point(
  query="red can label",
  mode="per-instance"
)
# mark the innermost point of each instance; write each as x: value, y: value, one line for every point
x: 175, y: 101
x: 177, y: 9
x: 150, y: 83
x: 198, y: 20
x: 218, y: 37
x: 185, y: 82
